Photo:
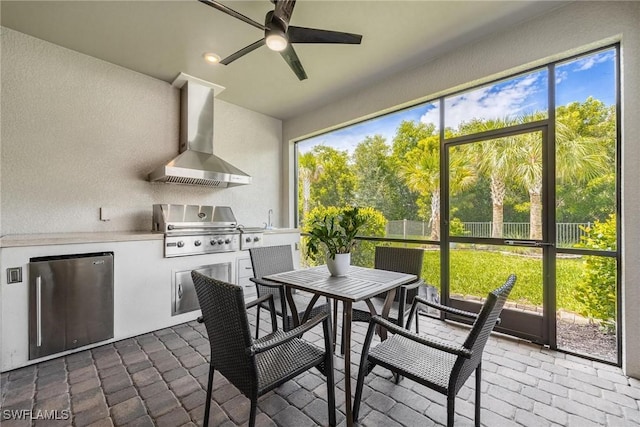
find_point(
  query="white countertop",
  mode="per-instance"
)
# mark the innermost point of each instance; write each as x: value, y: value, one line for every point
x: 281, y: 230
x: 19, y: 240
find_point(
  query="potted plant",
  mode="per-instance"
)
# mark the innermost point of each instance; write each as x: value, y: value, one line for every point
x: 334, y: 234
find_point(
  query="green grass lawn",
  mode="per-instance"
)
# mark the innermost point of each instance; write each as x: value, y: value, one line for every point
x: 476, y: 272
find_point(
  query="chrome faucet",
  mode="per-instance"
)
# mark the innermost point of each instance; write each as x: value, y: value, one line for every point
x: 269, y: 224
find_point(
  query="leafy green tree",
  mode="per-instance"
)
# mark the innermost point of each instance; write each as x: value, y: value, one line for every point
x: 335, y: 182
x: 590, y: 198
x: 370, y: 166
x: 591, y: 118
x: 309, y: 171
x: 404, y: 202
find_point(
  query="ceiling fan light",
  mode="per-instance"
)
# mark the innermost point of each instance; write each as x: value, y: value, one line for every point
x: 276, y: 41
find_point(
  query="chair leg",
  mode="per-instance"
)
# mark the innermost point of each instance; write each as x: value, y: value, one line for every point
x: 359, y: 386
x: 252, y: 415
x: 364, y: 369
x: 417, y: 323
x: 451, y: 409
x: 328, y: 369
x: 335, y: 323
x: 331, y: 389
x: 274, y: 321
x: 207, y: 406
x: 478, y: 393
x: 257, y: 320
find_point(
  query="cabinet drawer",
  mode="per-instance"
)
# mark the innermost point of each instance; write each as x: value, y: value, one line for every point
x: 245, y: 281
x: 244, y: 268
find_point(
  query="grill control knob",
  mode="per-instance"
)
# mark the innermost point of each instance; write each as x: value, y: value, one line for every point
x: 256, y: 239
x: 180, y: 244
x: 213, y: 241
x: 227, y: 240
x: 248, y: 240
x: 220, y: 241
x: 197, y: 243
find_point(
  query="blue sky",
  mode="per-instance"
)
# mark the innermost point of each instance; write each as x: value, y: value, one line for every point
x: 576, y: 80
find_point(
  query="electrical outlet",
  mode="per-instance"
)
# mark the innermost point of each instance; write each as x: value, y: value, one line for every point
x: 14, y: 275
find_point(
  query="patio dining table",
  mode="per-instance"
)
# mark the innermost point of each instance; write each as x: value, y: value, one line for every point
x: 360, y: 284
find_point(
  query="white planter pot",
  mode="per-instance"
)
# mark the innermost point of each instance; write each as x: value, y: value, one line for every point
x: 340, y: 265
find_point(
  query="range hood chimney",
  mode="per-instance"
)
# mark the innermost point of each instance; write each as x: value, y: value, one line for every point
x: 196, y: 164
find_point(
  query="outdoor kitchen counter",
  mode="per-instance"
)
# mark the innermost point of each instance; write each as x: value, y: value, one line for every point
x: 23, y: 240
x: 281, y: 230
x: 143, y: 281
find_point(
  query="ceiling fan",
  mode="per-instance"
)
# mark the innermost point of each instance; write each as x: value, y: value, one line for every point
x: 279, y: 35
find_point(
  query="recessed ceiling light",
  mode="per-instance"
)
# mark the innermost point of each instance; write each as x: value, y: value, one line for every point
x: 211, y: 58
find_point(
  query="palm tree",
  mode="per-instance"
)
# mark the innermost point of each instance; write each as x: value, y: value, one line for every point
x: 528, y: 162
x: 492, y: 159
x: 308, y: 172
x: 578, y: 160
x: 422, y: 174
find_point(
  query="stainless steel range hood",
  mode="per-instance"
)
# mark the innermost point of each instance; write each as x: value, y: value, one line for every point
x: 196, y: 164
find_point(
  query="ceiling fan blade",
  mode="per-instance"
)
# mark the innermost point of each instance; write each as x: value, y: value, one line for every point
x: 313, y: 35
x: 253, y: 46
x: 289, y: 55
x: 283, y: 11
x: 222, y: 8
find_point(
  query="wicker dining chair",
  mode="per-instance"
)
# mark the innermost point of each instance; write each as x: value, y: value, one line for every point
x: 267, y: 260
x: 400, y: 260
x: 256, y: 366
x: 441, y: 366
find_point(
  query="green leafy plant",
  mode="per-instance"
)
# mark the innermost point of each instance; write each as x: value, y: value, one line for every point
x: 597, y: 288
x: 335, y: 231
x: 456, y: 227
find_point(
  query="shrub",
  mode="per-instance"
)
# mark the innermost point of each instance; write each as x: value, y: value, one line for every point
x: 456, y: 227
x: 375, y: 225
x: 597, y: 288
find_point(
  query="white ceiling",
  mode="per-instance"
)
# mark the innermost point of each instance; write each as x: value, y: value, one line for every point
x: 163, y: 38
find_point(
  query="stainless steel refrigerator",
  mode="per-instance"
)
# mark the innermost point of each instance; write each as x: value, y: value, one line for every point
x: 70, y: 302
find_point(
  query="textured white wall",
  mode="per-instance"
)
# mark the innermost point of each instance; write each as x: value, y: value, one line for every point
x: 571, y: 29
x: 79, y: 133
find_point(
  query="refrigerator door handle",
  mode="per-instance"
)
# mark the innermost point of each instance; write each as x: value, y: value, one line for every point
x: 39, y: 311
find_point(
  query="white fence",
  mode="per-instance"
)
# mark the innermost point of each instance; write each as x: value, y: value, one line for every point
x: 567, y: 233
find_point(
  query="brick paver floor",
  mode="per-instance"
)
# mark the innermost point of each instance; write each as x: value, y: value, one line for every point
x: 159, y: 378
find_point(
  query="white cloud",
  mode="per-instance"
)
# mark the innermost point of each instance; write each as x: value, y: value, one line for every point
x: 497, y: 101
x: 561, y: 75
x: 591, y: 60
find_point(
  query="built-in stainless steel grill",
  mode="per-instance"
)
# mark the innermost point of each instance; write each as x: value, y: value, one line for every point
x: 195, y: 229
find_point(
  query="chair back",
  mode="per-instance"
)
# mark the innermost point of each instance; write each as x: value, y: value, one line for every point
x: 225, y: 319
x: 270, y: 260
x: 480, y: 332
x: 400, y: 260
